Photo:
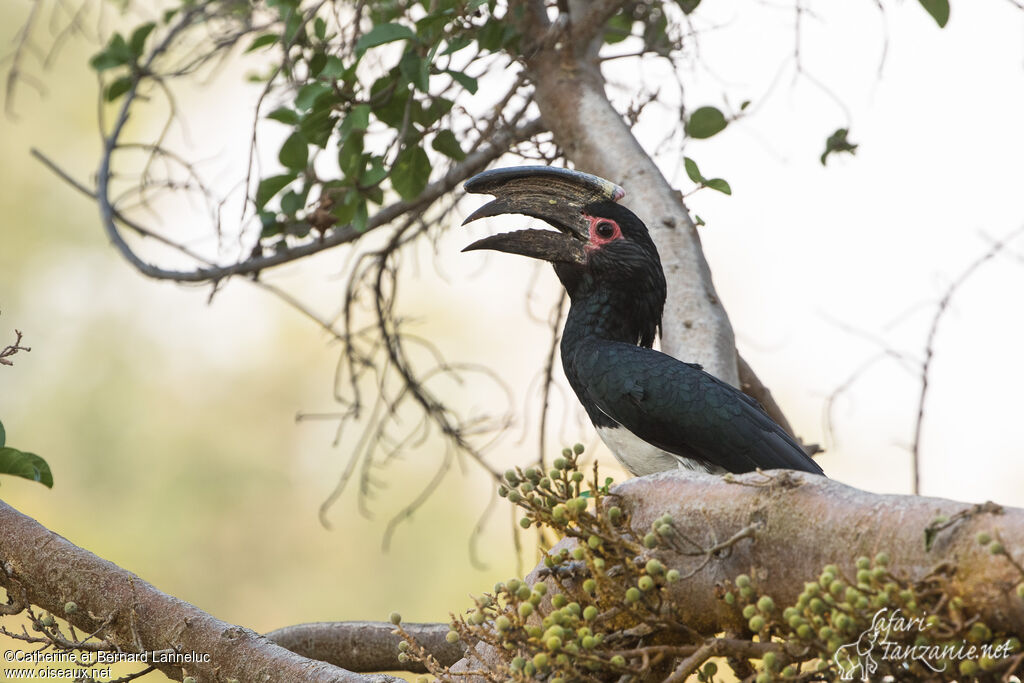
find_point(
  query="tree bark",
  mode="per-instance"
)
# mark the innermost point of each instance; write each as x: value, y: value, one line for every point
x: 39, y: 567
x: 797, y: 524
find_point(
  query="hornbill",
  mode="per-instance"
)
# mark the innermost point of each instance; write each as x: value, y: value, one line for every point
x: 654, y: 412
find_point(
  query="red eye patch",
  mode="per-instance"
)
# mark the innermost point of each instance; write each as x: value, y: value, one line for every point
x: 602, y: 231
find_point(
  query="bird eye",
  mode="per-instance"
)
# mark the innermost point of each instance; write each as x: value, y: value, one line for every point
x: 605, y: 230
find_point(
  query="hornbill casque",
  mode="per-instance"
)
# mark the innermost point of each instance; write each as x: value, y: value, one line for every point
x: 654, y: 412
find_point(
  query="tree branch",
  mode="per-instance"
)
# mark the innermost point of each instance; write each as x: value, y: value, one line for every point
x: 41, y: 568
x: 474, y: 163
x: 365, y: 645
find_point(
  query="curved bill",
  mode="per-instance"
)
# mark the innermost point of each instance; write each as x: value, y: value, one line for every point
x: 554, y: 195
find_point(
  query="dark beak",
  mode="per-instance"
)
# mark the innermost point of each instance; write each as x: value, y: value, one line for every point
x: 554, y: 195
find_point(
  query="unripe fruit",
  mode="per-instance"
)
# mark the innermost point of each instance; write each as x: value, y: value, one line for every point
x: 578, y: 553
x: 452, y: 637
x: 615, y: 514
x: 70, y: 607
x: 749, y: 611
x: 590, y: 613
x: 983, y: 538
x: 632, y: 594
x: 502, y: 623
x: 554, y: 643
x: 525, y: 610
x: 882, y: 559
x: 577, y: 449
x: 770, y: 661
x: 402, y: 657
x: 594, y: 542
x: 395, y: 618
x: 654, y: 567
x: 404, y: 645
x: 540, y: 660
x: 650, y: 541
x: 645, y: 583
x: 525, y: 522
x: 560, y: 463
x: 863, y: 562
x: 672, y: 575
x: 590, y: 585
x: 618, y: 661
x: 559, y: 601
x: 756, y: 623
x: 968, y: 668
x: 766, y: 604
x: 742, y: 581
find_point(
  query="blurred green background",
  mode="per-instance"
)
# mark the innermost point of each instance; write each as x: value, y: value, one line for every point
x: 169, y: 423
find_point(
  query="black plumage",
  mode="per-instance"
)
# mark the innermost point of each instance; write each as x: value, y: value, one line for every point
x: 653, y: 411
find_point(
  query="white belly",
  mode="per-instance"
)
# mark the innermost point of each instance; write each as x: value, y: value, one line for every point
x: 640, y: 457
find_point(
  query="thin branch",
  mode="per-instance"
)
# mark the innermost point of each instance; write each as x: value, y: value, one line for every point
x: 929, y: 348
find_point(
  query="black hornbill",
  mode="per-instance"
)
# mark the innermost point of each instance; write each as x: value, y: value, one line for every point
x: 654, y: 412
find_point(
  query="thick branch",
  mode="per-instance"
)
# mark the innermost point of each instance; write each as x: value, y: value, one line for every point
x: 365, y: 645
x: 783, y: 528
x: 39, y: 567
x: 806, y: 522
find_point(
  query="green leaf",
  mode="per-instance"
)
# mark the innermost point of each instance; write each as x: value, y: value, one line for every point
x: 118, y: 88
x: 361, y: 217
x: 357, y: 120
x: 268, y: 221
x: 137, y: 42
x: 688, y: 5
x: 294, y: 152
x: 291, y: 202
x: 836, y: 143
x: 310, y: 93
x: 334, y: 68
x: 381, y: 34
x: 705, y: 122
x: 271, y: 186
x: 455, y: 44
x: 115, y: 54
x: 410, y: 173
x: 618, y: 28
x: 692, y: 171
x: 416, y: 70
x: 465, y: 80
x: 317, y: 125
x: 3, y: 435
x: 317, y: 63
x: 939, y: 9
x: 445, y: 143
x: 350, y: 156
x: 262, y: 41
x: 284, y: 115
x: 376, y: 173
x: 26, y: 465
x: 718, y: 184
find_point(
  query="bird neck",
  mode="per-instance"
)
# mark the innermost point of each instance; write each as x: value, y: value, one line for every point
x: 599, y: 311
